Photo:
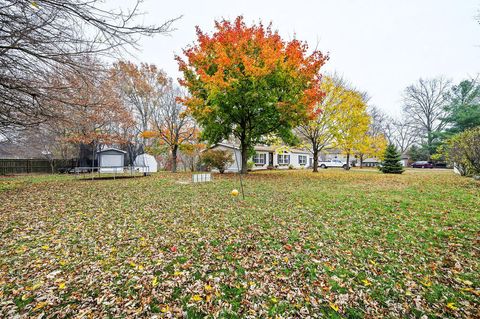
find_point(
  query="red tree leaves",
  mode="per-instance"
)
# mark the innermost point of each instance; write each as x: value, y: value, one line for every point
x: 236, y: 50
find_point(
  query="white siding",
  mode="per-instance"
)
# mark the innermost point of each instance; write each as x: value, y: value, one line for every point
x: 294, y: 159
x: 111, y: 160
x: 264, y: 166
x: 233, y: 167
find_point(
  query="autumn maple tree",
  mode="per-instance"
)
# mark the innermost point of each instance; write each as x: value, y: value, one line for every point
x: 91, y: 114
x: 140, y: 87
x: 174, y: 127
x: 246, y: 82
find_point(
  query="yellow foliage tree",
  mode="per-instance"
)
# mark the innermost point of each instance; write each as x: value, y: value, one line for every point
x: 320, y: 131
x: 351, y: 123
x: 370, y: 146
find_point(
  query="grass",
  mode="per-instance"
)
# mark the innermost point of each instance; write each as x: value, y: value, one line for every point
x: 342, y: 244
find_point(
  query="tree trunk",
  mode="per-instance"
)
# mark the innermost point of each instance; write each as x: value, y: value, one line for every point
x: 174, y: 158
x: 315, y: 160
x: 361, y: 160
x: 348, y: 161
x: 244, y: 155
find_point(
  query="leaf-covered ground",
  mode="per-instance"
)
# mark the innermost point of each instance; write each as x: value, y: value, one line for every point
x: 333, y: 244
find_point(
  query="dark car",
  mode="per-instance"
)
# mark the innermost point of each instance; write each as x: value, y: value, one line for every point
x: 422, y: 164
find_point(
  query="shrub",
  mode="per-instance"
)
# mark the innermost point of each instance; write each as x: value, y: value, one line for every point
x: 391, y: 161
x: 218, y: 159
x: 463, y: 151
x: 250, y: 165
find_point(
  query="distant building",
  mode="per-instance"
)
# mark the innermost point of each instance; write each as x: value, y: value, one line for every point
x: 111, y: 160
x: 268, y: 157
x: 371, y: 162
x: 405, y: 160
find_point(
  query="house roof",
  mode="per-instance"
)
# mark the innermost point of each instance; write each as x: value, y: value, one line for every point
x: 266, y: 148
x: 371, y: 160
x: 111, y: 149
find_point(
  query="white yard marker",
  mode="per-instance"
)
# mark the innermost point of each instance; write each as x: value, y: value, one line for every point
x: 202, y: 177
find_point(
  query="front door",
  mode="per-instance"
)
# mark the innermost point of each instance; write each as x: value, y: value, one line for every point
x: 270, y: 159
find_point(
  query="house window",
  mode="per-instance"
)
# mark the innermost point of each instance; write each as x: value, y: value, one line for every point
x: 260, y: 159
x: 283, y: 159
x: 302, y: 159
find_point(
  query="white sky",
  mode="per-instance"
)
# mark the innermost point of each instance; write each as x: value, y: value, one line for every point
x: 380, y: 46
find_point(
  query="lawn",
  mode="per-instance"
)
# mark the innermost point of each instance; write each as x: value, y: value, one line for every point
x: 343, y: 244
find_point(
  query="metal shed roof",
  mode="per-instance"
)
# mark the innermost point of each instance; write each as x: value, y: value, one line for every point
x: 111, y: 149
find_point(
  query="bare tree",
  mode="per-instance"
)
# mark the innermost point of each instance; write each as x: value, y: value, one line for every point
x: 402, y: 133
x: 39, y: 37
x: 379, y: 121
x: 173, y: 125
x: 424, y: 104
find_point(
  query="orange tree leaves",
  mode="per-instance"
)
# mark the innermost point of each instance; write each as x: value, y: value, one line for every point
x: 89, y: 108
x: 247, y: 82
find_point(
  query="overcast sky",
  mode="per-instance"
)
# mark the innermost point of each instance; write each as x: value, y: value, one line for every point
x: 380, y: 46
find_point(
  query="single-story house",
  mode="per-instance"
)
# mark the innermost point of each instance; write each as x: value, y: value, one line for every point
x: 281, y: 157
x: 371, y: 162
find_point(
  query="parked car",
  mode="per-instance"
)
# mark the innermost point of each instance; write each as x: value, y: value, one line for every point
x: 332, y: 163
x: 422, y: 164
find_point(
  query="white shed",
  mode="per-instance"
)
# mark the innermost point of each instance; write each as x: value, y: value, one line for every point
x: 111, y: 160
x: 146, y: 163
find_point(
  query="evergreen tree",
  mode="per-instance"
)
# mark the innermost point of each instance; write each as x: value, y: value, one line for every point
x: 391, y: 162
x: 419, y: 152
x: 464, y: 108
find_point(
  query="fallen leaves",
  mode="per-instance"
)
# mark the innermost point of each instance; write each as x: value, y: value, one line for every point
x: 451, y: 306
x: 426, y: 282
x: 155, y: 281
x: 333, y: 306
x: 40, y: 305
x: 151, y: 247
x: 366, y: 282
x: 208, y: 288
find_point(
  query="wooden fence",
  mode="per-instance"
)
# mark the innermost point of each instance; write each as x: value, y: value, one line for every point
x: 26, y: 166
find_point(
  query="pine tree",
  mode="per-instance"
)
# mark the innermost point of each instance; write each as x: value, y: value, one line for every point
x: 391, y: 163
